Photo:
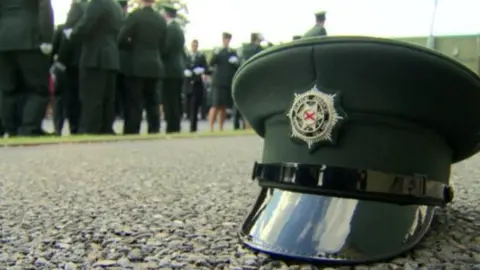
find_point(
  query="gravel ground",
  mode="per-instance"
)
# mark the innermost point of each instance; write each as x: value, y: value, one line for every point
x: 172, y: 205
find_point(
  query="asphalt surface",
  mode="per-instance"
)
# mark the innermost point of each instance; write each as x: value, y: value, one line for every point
x: 118, y: 126
x: 172, y: 204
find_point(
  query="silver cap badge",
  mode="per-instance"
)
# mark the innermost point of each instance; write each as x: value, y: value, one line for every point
x: 313, y: 117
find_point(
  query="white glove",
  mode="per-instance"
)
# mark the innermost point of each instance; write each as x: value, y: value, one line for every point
x: 46, y: 48
x: 60, y: 66
x: 68, y: 32
x: 233, y: 60
x: 187, y: 73
x: 198, y: 70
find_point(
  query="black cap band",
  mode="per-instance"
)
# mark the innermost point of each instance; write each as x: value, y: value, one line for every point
x: 353, y: 183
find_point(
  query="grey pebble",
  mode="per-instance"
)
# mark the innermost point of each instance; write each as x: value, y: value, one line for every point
x: 163, y: 205
x: 411, y: 266
x: 135, y: 255
x: 105, y: 263
x: 124, y: 262
x: 70, y: 266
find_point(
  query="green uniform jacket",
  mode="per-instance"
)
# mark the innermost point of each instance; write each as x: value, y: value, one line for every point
x: 250, y: 50
x: 57, y: 39
x: 97, y: 31
x: 316, y: 31
x: 174, y: 54
x: 194, y: 60
x: 77, y: 9
x: 70, y: 51
x: 25, y: 24
x: 124, y: 56
x: 223, y: 70
x: 143, y: 37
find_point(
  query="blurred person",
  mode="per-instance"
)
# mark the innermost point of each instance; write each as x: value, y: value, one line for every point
x: 125, y: 70
x: 97, y: 30
x: 224, y: 64
x: 26, y: 32
x: 194, y: 88
x: 174, y: 59
x: 248, y: 51
x: 67, y: 61
x: 59, y: 81
x: 144, y: 34
x: 318, y: 29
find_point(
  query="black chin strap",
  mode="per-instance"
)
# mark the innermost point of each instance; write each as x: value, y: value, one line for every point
x: 353, y: 183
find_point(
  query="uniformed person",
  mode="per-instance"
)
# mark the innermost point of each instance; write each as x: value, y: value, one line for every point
x: 60, y: 83
x: 99, y: 62
x: 319, y: 28
x: 26, y: 32
x: 195, y: 90
x: 2, y: 129
x: 248, y: 51
x: 68, y: 60
x: 356, y: 158
x: 144, y: 34
x: 174, y: 59
x: 224, y: 64
x: 125, y: 70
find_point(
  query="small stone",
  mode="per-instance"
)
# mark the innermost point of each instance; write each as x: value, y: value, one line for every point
x: 41, y: 262
x: 178, y: 223
x: 105, y: 263
x: 177, y: 264
x: 220, y: 245
x: 123, y: 262
x: 70, y: 266
x: 410, y: 266
x: 250, y: 260
x: 164, y: 263
x: 135, y: 255
x: 62, y: 246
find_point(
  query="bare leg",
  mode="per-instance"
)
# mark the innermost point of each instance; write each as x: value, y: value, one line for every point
x: 222, y: 115
x: 246, y: 124
x: 212, y: 115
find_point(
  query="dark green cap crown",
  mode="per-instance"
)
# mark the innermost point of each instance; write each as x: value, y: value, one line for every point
x: 361, y: 103
x: 171, y: 9
x: 123, y: 3
x: 321, y: 15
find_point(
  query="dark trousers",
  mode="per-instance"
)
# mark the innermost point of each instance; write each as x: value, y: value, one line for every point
x: 172, y: 103
x: 237, y: 119
x: 73, y: 105
x: 32, y: 67
x: 194, y: 104
x: 97, y: 94
x: 67, y: 100
x: 204, y: 107
x: 59, y: 97
x: 141, y: 93
x: 120, y: 96
x: 2, y: 129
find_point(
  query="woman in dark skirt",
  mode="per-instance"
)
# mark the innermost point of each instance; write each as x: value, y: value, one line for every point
x: 225, y: 63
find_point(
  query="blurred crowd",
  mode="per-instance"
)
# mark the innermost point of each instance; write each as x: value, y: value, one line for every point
x: 107, y: 63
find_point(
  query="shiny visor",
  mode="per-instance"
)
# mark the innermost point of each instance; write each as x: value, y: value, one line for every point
x: 303, y: 213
